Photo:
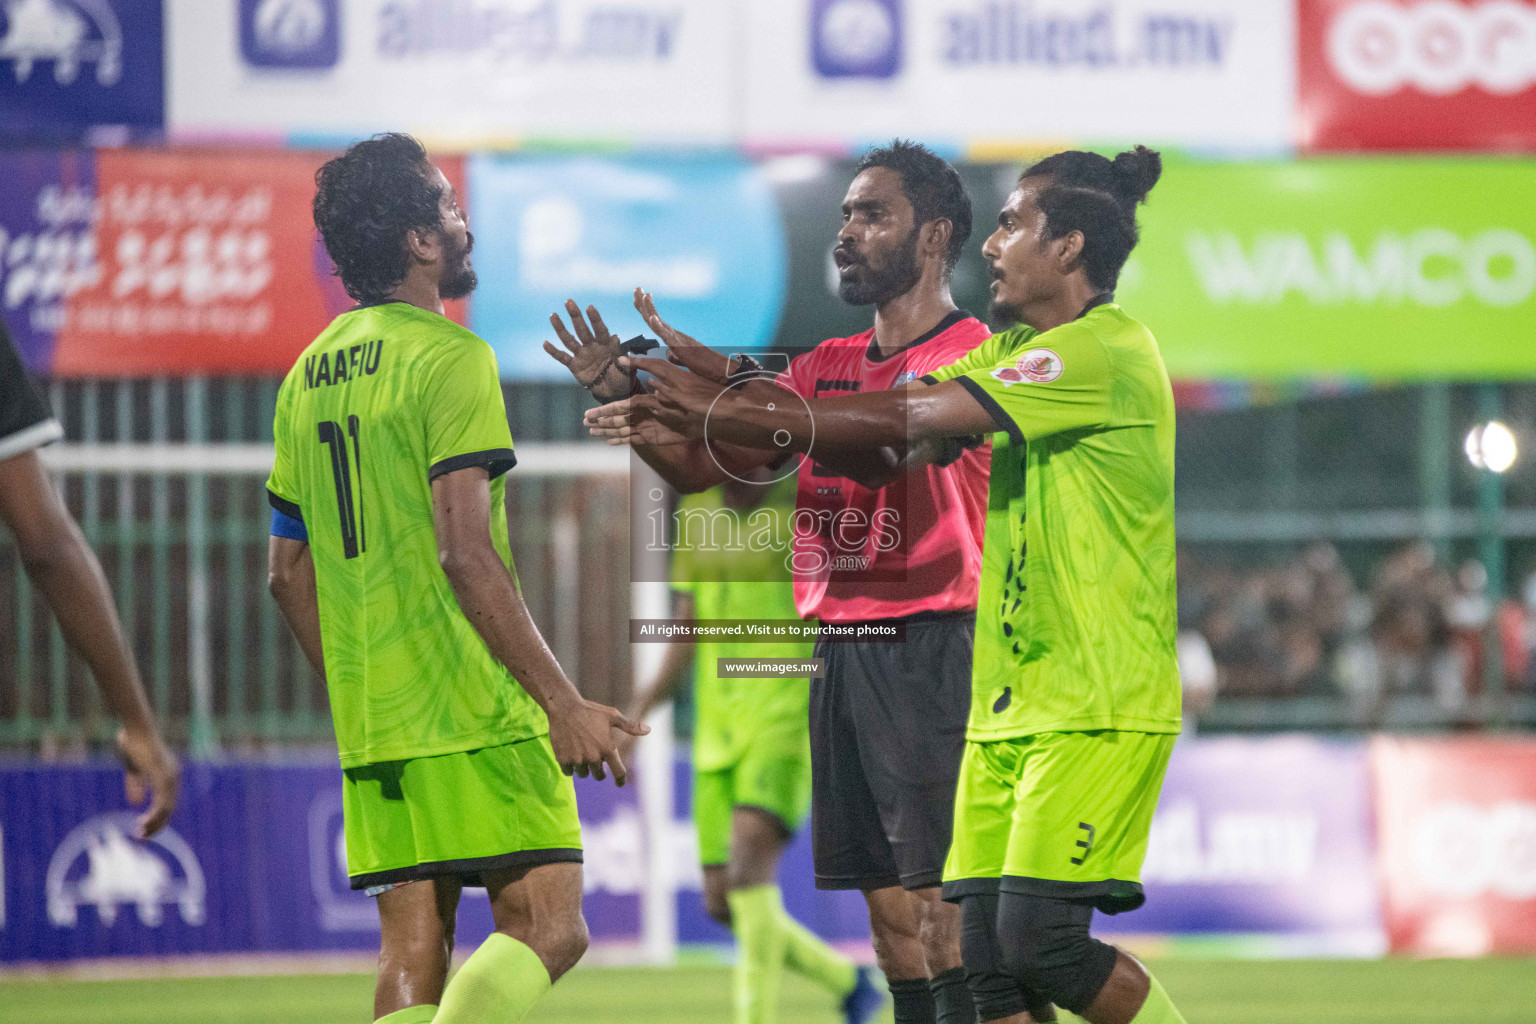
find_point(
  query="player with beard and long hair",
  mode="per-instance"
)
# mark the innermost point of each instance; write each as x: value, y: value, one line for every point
x: 896, y: 541
x: 389, y: 559
x: 1075, y: 701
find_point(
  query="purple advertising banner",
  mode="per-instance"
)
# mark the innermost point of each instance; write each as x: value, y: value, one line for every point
x: 252, y: 861
x: 47, y: 245
x: 835, y: 916
x: 1266, y: 837
x: 74, y: 68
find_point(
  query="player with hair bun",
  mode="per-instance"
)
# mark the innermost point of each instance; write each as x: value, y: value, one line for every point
x: 1075, y: 699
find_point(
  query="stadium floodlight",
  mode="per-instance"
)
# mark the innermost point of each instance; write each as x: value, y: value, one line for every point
x: 1492, y: 446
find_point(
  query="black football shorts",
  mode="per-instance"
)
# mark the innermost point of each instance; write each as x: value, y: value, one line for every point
x: 887, y: 734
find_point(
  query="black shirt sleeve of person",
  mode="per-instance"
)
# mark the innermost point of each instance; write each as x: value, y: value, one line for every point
x: 26, y: 422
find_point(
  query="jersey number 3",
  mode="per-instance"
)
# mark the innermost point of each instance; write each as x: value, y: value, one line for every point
x: 349, y: 503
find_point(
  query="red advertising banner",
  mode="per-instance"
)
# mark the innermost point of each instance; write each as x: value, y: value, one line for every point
x: 1457, y: 825
x: 206, y: 262
x: 1417, y: 74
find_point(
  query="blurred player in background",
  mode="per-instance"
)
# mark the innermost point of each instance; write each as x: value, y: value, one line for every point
x: 751, y: 752
x: 389, y: 558
x: 65, y: 571
x: 888, y: 721
x: 1075, y: 706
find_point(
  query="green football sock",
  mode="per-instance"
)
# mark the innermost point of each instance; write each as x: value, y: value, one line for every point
x: 810, y: 957
x: 1158, y: 1009
x: 421, y: 1014
x: 760, y: 947
x: 498, y: 984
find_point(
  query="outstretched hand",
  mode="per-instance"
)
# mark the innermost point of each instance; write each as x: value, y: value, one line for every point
x: 683, y: 349
x: 682, y: 390
x: 633, y: 421
x: 679, y: 401
x: 592, y: 353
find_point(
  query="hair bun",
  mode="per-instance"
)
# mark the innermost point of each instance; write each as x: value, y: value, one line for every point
x: 1136, y: 171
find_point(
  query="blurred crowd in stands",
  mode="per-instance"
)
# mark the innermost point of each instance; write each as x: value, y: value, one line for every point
x: 1416, y: 629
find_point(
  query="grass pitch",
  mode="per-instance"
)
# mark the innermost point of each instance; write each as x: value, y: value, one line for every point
x: 1208, y: 992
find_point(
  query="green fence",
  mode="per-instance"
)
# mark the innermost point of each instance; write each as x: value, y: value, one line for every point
x: 166, y: 480
x: 165, y: 477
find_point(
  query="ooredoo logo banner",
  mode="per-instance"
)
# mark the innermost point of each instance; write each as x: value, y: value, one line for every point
x: 1417, y: 74
x: 1457, y: 824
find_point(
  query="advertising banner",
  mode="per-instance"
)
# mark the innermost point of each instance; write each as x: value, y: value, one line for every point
x: 1417, y: 74
x: 80, y: 68
x: 202, y: 262
x: 702, y: 234
x: 466, y: 70
x: 1264, y: 836
x: 1187, y: 72
x: 1389, y: 269
x: 253, y: 860
x: 1457, y: 821
x: 47, y: 245
x: 835, y: 915
x: 1272, y: 841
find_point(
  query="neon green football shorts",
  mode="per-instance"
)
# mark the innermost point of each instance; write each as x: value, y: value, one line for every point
x: 773, y: 774
x: 1059, y: 814
x: 490, y: 809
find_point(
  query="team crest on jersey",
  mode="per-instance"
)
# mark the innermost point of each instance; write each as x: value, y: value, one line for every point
x: 905, y: 378
x: 1037, y: 366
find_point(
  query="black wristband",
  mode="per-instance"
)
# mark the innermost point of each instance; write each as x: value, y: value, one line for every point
x: 747, y: 369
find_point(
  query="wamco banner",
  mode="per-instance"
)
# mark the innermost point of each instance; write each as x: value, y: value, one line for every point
x: 1383, y: 269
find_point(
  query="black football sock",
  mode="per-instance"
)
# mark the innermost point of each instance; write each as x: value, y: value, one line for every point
x: 913, y: 1002
x: 951, y: 999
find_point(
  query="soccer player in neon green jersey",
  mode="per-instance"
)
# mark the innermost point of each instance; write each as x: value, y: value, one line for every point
x: 1075, y: 699
x: 457, y: 729
x: 751, y: 741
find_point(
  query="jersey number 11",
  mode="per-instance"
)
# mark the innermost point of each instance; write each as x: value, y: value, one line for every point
x: 354, y: 541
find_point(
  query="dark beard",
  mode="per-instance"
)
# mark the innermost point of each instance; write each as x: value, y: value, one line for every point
x: 899, y: 276
x: 462, y: 279
x: 1004, y: 315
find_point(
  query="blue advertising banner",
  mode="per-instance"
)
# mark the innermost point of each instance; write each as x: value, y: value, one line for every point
x: 47, y: 245
x: 1270, y: 837
x: 835, y: 916
x: 252, y: 861
x: 69, y: 68
x: 1265, y: 841
x: 701, y: 233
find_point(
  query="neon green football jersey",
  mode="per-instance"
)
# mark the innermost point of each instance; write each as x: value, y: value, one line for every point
x: 1076, y: 617
x: 387, y: 399
x: 743, y: 576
